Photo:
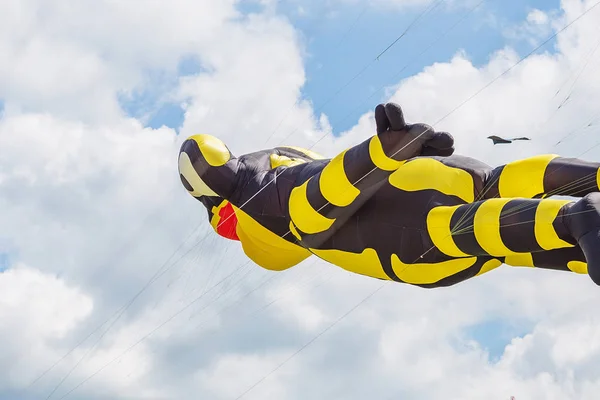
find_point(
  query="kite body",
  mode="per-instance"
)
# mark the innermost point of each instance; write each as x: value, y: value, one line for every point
x: 385, y: 210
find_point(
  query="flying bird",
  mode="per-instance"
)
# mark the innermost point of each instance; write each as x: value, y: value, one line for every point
x: 499, y: 140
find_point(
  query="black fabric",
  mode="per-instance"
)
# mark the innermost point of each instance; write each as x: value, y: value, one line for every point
x: 394, y: 221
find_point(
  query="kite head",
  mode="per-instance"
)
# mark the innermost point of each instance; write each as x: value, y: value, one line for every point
x: 203, y: 166
x: 206, y: 175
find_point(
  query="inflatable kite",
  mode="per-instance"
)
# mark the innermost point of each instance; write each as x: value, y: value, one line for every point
x: 399, y: 206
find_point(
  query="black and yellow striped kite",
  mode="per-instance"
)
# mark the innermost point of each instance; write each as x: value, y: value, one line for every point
x: 399, y: 206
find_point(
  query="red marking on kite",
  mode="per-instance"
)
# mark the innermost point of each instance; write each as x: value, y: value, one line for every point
x: 227, y: 223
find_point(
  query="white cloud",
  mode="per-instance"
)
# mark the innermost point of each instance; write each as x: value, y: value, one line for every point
x: 91, y: 204
x: 537, y: 17
x: 36, y: 310
x: 70, y: 59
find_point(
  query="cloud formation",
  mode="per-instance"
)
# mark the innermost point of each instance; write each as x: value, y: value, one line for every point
x: 92, y: 208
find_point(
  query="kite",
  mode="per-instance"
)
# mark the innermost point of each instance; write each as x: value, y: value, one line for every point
x: 499, y: 140
x: 400, y: 206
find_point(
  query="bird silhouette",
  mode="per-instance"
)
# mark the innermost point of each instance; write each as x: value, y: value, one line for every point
x: 499, y: 140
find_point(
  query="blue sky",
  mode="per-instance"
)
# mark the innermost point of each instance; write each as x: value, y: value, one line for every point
x: 4, y: 261
x: 494, y: 334
x: 330, y: 67
x: 342, y: 39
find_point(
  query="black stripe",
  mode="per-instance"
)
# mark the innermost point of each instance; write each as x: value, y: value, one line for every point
x: 558, y: 259
x: 461, y: 226
x: 357, y: 162
x: 491, y: 189
x: 316, y: 199
x: 571, y: 177
x: 517, y: 225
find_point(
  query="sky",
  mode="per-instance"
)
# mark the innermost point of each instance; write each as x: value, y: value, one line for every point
x: 112, y: 283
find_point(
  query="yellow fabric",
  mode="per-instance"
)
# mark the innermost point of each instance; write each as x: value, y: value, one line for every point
x: 428, y: 173
x: 265, y: 248
x: 213, y: 150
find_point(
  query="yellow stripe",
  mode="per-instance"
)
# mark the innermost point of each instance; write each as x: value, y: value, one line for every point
x: 428, y: 173
x: 214, y: 150
x: 519, y: 260
x: 486, y: 226
x: 489, y: 266
x: 524, y: 178
x: 379, y: 158
x: 598, y: 178
x: 334, y: 183
x: 419, y: 274
x: 578, y: 267
x: 545, y: 214
x: 438, y: 227
x: 365, y: 263
x: 266, y: 248
x: 304, y: 216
